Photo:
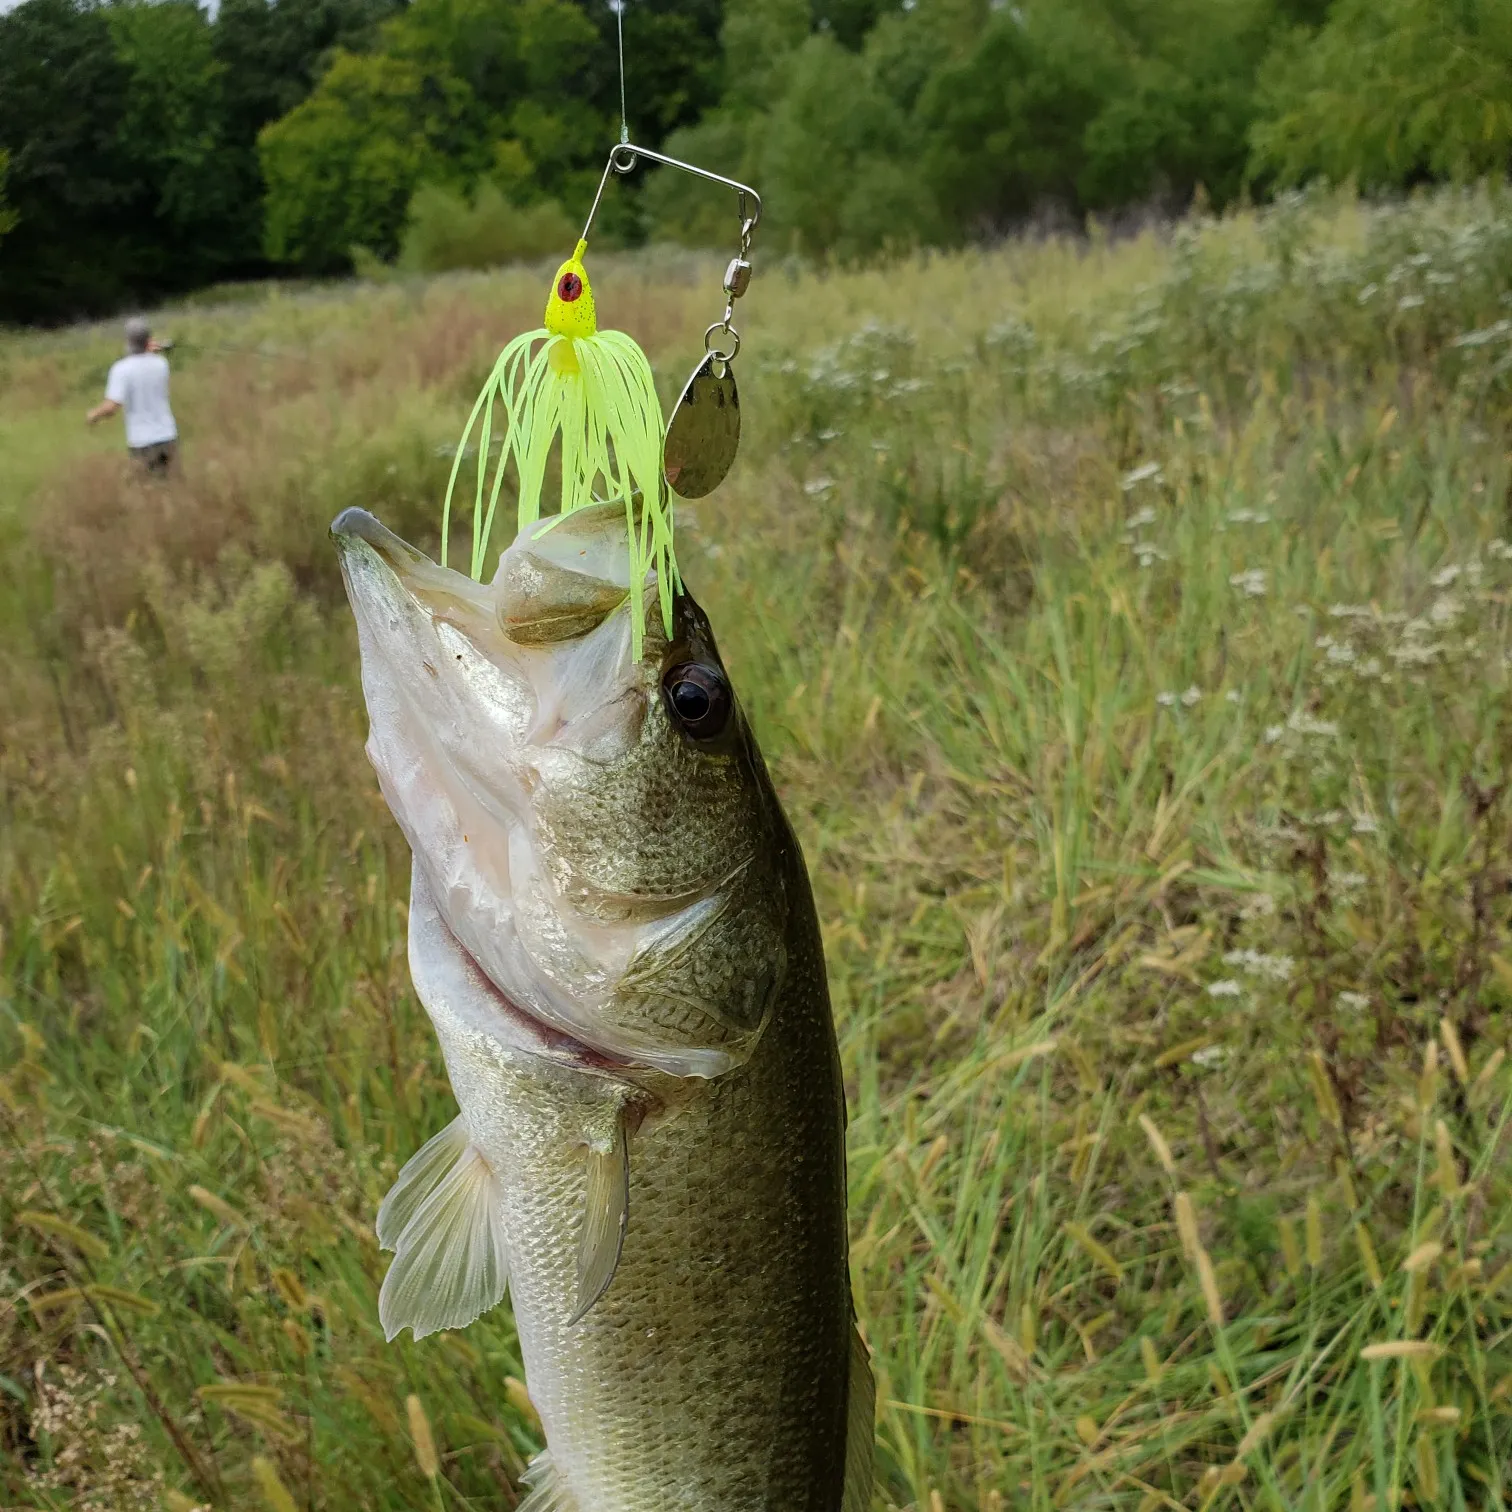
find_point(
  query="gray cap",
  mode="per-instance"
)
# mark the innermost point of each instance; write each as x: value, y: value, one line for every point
x: 137, y: 332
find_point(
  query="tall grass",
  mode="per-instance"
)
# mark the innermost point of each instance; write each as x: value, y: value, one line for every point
x: 1128, y: 629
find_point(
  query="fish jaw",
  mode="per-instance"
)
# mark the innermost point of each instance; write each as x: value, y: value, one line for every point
x: 493, y: 709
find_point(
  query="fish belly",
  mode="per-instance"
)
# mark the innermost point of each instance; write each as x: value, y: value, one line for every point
x: 711, y: 1375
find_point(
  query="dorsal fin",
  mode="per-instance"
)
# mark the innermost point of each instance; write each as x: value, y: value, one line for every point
x: 547, y: 1491
x: 444, y: 1220
x: 860, y: 1428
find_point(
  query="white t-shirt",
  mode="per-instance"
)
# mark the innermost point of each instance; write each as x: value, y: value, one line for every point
x: 139, y: 384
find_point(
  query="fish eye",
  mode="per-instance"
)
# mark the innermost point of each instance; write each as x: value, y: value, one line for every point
x: 570, y: 287
x: 698, y: 698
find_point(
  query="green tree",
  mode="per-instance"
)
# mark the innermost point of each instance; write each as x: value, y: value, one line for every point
x: 759, y: 39
x: 341, y: 167
x: 1178, y: 112
x: 272, y: 53
x: 1005, y: 117
x: 84, y: 237
x: 1389, y: 91
x: 8, y: 216
x: 173, y: 118
x: 838, y: 162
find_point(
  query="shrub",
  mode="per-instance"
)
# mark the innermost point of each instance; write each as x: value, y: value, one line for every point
x: 444, y: 231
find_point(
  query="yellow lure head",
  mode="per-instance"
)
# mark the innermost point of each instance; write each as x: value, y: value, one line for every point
x: 569, y: 307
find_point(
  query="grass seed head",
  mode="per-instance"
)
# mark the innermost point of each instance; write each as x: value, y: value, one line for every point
x: 1158, y: 1144
x: 275, y: 1494
x: 421, y: 1437
x: 1186, y: 1225
x: 1448, y: 1172
x: 1454, y: 1050
x: 1314, y: 1228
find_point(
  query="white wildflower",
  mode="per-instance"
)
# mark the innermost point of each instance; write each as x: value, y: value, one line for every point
x: 1365, y: 824
x: 1326, y: 819
x: 829, y: 433
x: 1368, y: 293
x: 1273, y: 733
x: 1252, y: 582
x: 1413, y: 653
x: 1192, y: 696
x: 816, y: 486
x: 1248, y: 517
x: 1166, y: 700
x: 1233, y: 696
x: 1145, y: 472
x: 1214, y: 1055
x: 1446, y: 609
x: 1350, y: 611
x: 1302, y: 723
x: 1410, y: 302
x: 1228, y: 988
x: 1341, y: 656
x: 1445, y: 576
x: 1145, y: 516
x: 1274, y: 968
x: 1354, y: 1000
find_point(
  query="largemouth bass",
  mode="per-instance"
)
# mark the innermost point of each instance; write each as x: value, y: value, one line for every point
x: 612, y: 931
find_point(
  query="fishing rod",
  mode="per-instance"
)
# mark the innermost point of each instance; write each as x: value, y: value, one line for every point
x: 235, y: 351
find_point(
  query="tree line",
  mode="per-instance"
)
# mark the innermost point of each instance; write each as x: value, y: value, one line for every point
x: 148, y: 147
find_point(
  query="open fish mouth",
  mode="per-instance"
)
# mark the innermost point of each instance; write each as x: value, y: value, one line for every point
x: 499, y: 714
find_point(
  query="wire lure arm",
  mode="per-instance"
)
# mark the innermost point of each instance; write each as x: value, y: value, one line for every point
x: 704, y: 432
x: 625, y: 156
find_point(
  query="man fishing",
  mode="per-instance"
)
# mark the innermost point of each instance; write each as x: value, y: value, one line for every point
x: 138, y: 384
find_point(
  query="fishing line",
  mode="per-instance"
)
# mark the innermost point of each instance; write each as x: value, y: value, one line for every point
x: 619, y: 21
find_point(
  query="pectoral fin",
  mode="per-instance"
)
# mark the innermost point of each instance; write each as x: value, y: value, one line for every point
x: 860, y: 1429
x: 547, y: 1492
x: 422, y: 1173
x: 444, y: 1220
x: 605, y: 1214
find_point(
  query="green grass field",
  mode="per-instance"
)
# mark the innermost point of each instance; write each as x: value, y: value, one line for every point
x: 1128, y: 629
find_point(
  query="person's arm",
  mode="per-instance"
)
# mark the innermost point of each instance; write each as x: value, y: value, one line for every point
x: 115, y: 396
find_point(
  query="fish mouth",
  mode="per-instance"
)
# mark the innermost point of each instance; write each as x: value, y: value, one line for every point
x: 356, y: 524
x: 468, y: 721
